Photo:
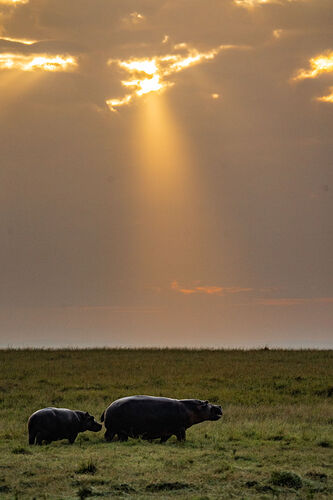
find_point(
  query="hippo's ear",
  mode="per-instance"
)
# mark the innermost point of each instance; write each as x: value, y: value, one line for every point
x: 204, y: 403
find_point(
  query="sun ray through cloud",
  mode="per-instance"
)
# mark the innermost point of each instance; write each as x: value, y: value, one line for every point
x: 162, y: 154
x: 168, y: 191
x: 13, y: 86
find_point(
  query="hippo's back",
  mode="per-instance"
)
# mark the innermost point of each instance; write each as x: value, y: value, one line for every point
x: 147, y: 416
x: 52, y: 415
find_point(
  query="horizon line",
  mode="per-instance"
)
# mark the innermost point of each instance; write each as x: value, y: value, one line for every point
x: 162, y: 348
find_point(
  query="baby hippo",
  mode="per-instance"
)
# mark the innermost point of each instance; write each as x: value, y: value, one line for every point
x: 52, y: 424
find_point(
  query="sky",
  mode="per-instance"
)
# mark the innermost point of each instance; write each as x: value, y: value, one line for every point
x: 166, y: 173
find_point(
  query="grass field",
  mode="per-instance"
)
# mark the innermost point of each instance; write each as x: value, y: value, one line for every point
x: 274, y: 440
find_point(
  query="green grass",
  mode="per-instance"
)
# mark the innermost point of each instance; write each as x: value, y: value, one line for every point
x: 274, y: 440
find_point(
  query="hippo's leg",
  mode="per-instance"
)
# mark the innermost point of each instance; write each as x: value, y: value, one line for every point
x: 122, y: 436
x: 181, y: 435
x: 109, y: 435
x: 165, y: 438
x: 39, y: 438
x: 72, y: 438
x: 32, y: 436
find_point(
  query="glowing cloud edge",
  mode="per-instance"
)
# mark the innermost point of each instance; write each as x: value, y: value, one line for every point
x: 35, y: 62
x: 18, y: 40
x: 151, y: 74
x: 326, y: 98
x: 322, y: 63
x: 319, y: 65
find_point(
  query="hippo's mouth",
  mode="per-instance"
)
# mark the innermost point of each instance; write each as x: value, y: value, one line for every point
x: 97, y: 427
x: 217, y: 414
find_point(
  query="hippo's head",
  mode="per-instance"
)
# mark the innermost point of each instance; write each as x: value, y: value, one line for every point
x: 202, y: 410
x: 215, y: 411
x: 89, y: 423
x: 209, y: 411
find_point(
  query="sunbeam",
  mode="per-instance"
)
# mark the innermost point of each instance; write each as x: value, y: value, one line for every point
x: 160, y: 149
x: 167, y: 194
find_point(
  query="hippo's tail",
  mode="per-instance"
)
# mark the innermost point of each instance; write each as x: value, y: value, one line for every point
x: 102, y: 416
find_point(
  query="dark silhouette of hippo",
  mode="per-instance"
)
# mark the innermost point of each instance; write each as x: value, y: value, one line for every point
x: 154, y: 417
x: 52, y: 424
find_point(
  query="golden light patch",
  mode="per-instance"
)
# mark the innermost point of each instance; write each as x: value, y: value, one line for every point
x: 140, y: 65
x: 323, y: 63
x: 215, y: 96
x: 208, y: 289
x: 277, y: 33
x: 149, y: 85
x: 36, y: 62
x: 132, y: 20
x: 18, y: 40
x: 251, y: 3
x: 114, y: 103
x: 151, y: 75
x: 13, y: 2
x: 327, y: 98
x: 136, y: 17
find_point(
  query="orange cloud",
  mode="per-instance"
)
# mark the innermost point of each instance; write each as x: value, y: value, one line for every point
x: 114, y: 309
x: 287, y: 302
x: 208, y: 289
x: 253, y: 3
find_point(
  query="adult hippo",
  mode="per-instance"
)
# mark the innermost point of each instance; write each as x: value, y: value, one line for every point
x: 154, y: 417
x: 52, y: 424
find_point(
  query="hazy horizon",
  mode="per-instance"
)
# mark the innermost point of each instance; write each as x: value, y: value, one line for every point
x: 166, y: 173
x: 52, y: 345
x: 159, y: 348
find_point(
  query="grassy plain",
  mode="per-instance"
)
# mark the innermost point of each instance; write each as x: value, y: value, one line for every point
x: 274, y: 440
